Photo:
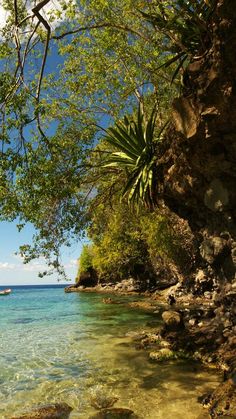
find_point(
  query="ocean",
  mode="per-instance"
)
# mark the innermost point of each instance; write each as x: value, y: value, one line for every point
x: 56, y: 346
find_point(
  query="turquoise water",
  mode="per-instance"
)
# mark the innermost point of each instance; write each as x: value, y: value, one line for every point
x: 70, y: 347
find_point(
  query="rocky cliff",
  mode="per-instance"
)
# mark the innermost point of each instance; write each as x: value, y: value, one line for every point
x: 198, y: 168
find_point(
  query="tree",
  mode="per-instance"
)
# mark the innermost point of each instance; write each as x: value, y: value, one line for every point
x: 109, y: 58
x: 49, y: 119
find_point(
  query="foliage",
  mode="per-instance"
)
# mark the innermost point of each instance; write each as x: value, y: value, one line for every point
x: 185, y: 24
x: 136, y: 142
x: 103, y: 61
x: 124, y: 243
x: 65, y: 71
x: 159, y: 235
x: 118, y: 245
x: 167, y: 238
x: 85, y: 259
x: 46, y: 191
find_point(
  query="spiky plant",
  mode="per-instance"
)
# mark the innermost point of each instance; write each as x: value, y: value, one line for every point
x: 134, y: 142
x: 185, y: 24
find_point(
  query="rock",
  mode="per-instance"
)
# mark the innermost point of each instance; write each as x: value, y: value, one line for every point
x: 164, y: 283
x: 172, y: 320
x: 227, y: 323
x: 150, y: 340
x: 143, y: 305
x: 114, y: 413
x: 192, y: 322
x: 88, y: 278
x: 136, y: 336
x: 162, y: 355
x: 129, y: 285
x: 52, y: 411
x: 200, y: 275
x: 102, y: 398
x: 164, y: 344
x: 185, y: 117
x: 216, y: 196
x: 232, y: 341
x: 203, y: 283
x: 110, y: 301
x: 212, y: 248
x: 222, y: 401
x: 73, y: 288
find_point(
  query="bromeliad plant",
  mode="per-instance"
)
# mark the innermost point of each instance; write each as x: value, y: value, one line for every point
x: 135, y: 141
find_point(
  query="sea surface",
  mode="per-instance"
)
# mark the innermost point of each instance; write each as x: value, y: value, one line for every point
x: 72, y: 347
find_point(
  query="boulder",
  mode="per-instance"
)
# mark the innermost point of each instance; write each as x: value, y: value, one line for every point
x: 128, y: 285
x: 213, y: 248
x: 172, y: 320
x: 51, y: 411
x: 100, y: 399
x: 88, y: 278
x: 164, y: 283
x: 185, y: 117
x: 162, y: 355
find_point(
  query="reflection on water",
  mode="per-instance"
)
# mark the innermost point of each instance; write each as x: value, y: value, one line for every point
x: 73, y: 345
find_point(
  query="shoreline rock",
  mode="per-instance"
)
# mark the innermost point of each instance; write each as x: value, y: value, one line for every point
x: 51, y: 411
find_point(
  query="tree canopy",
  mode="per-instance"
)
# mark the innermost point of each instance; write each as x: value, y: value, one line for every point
x: 69, y: 71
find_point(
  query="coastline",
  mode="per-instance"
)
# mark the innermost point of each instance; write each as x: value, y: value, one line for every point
x: 188, y: 332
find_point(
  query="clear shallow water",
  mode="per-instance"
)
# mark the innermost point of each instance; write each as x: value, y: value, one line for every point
x: 67, y: 347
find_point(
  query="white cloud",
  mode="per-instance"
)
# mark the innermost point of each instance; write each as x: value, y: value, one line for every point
x: 7, y: 266
x: 34, y: 266
x: 46, y: 11
x: 71, y: 264
x: 3, y: 17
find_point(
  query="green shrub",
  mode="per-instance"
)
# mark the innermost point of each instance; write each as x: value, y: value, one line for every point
x: 85, y: 259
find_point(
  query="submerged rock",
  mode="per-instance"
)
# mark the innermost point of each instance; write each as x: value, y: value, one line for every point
x: 103, y: 402
x: 114, y: 413
x: 111, y: 301
x: 101, y: 398
x: 51, y: 411
x: 143, y: 305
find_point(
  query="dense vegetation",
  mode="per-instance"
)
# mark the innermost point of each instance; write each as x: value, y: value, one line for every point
x: 81, y: 141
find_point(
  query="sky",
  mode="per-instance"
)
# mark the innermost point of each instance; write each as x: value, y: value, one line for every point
x: 12, y: 269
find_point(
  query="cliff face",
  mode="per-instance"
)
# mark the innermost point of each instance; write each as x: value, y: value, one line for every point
x: 200, y: 160
x: 199, y: 177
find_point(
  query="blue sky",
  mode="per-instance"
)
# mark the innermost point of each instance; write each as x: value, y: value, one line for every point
x: 12, y: 269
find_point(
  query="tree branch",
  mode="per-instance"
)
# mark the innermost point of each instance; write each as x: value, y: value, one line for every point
x: 100, y: 26
x: 41, y: 19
